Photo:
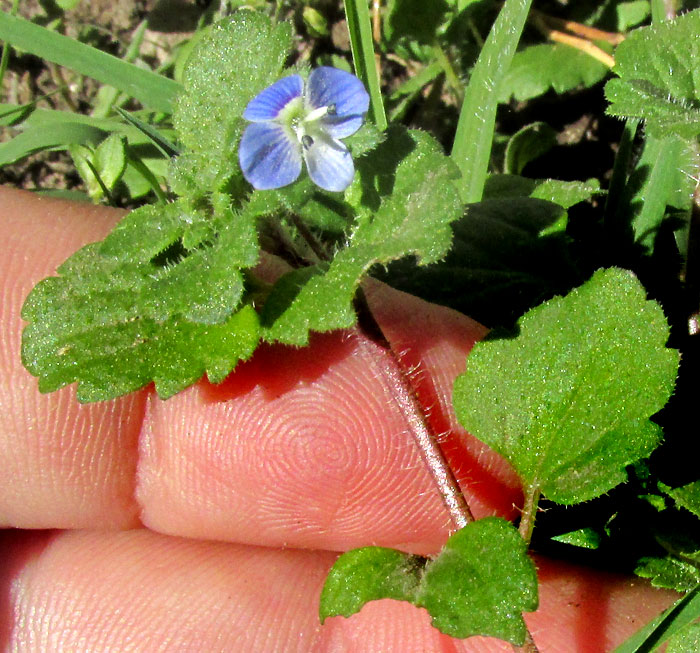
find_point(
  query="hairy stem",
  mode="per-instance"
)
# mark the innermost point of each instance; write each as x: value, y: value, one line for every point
x: 425, y: 438
x: 527, y: 520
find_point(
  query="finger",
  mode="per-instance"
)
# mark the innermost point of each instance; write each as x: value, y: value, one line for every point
x: 61, y: 464
x: 137, y: 590
x: 298, y: 447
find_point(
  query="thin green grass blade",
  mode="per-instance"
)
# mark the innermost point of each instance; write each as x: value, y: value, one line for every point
x: 152, y: 90
x: 472, y: 145
x: 162, y: 143
x: 660, y: 629
x: 46, y: 137
x: 360, y: 28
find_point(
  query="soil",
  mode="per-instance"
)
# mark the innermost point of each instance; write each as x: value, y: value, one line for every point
x: 106, y: 24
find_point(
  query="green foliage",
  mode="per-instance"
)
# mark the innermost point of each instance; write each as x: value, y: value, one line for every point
x: 153, y: 90
x: 567, y: 402
x: 586, y: 538
x: 672, y: 621
x: 228, y: 67
x: 687, y: 496
x: 405, y: 199
x: 657, y: 68
x: 479, y: 584
x: 669, y: 572
x: 686, y: 639
x: 527, y: 144
x: 472, y: 144
x: 160, y: 299
x: 538, y: 68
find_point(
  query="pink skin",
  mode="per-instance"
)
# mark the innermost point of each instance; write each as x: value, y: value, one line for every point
x: 208, y: 522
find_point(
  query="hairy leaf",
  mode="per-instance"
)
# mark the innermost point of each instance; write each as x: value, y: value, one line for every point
x: 479, y: 584
x: 160, y: 299
x: 228, y: 67
x: 567, y: 402
x: 539, y: 68
x: 658, y: 81
x: 405, y: 201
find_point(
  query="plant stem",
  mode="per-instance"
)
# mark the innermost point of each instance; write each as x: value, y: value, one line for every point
x: 407, y: 401
x: 527, y: 520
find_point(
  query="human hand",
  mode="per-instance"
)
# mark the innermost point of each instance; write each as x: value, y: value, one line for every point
x: 208, y: 522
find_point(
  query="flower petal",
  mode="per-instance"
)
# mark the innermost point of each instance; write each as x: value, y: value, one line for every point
x: 267, y: 104
x: 269, y: 155
x: 329, y: 163
x: 329, y: 86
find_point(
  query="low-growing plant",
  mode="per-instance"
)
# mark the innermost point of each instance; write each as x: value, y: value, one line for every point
x: 589, y: 284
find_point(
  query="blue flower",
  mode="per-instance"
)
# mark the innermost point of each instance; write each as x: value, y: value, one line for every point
x: 294, y: 121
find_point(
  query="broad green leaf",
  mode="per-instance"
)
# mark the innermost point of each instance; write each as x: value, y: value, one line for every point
x: 405, y: 198
x: 369, y: 574
x: 479, y: 584
x: 539, y: 68
x: 567, y: 402
x: 160, y: 299
x: 152, y: 90
x: 658, y: 80
x: 507, y: 254
x: 237, y: 59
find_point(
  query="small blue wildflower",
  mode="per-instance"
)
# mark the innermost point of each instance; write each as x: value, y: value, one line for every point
x: 292, y: 120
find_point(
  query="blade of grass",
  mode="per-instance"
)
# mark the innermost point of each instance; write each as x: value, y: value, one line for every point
x: 108, y: 95
x: 45, y: 137
x: 360, y: 28
x: 5, y: 57
x: 472, y: 145
x: 162, y: 143
x: 656, y: 632
x: 152, y: 90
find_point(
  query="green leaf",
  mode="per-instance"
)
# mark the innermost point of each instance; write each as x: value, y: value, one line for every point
x: 160, y: 299
x: 539, y: 68
x: 362, y: 45
x: 658, y: 82
x: 110, y: 159
x: 669, y: 572
x: 405, y: 198
x: 479, y: 584
x: 672, y: 621
x: 686, y: 639
x: 527, y: 144
x: 47, y: 137
x: 152, y: 90
x: 477, y: 118
x: 237, y: 59
x: 567, y: 402
x: 631, y: 14
x: 686, y: 496
x: 586, y: 538
x: 369, y: 574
